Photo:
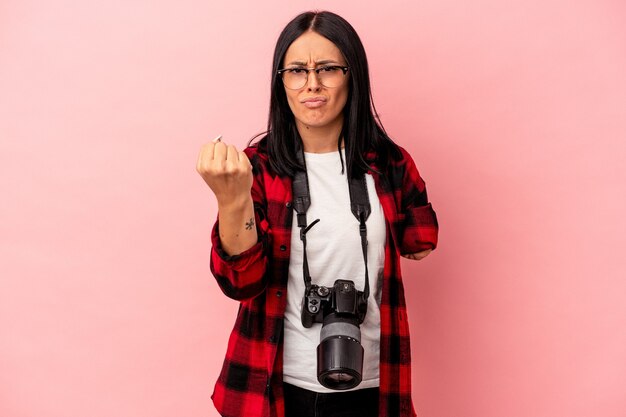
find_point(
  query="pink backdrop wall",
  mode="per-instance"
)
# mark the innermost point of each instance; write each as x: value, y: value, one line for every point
x: 514, y: 110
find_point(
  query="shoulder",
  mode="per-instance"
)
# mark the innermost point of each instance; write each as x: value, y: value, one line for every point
x: 387, y: 154
x: 401, y: 172
x: 257, y: 154
x: 257, y: 149
x: 403, y: 157
x: 394, y: 161
x: 404, y: 164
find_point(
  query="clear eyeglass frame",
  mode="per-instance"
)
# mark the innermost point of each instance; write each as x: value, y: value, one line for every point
x: 319, y: 71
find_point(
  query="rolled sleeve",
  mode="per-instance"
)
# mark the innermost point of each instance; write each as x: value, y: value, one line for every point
x: 241, y: 276
x: 420, y: 225
x: 421, y: 230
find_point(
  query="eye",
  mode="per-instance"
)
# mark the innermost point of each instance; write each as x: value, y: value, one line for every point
x: 296, y: 70
x: 329, y: 68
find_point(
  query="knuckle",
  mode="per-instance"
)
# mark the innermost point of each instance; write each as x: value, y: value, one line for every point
x: 218, y: 167
x: 231, y: 170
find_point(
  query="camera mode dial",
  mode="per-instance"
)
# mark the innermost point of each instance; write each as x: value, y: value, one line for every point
x: 323, y: 291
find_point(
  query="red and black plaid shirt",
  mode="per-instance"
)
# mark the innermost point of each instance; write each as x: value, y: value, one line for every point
x: 250, y: 383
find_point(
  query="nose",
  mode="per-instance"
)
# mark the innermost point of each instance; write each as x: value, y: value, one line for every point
x: 313, y: 83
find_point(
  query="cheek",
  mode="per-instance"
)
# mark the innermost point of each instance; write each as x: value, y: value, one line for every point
x: 341, y: 100
x: 344, y: 98
x: 292, y: 101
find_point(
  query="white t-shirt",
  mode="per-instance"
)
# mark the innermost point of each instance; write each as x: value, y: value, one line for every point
x: 333, y: 252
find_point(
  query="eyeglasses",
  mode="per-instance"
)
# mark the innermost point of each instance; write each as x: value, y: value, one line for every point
x: 329, y: 76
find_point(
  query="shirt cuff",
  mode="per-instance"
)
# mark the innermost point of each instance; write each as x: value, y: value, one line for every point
x: 420, y: 230
x: 242, y: 260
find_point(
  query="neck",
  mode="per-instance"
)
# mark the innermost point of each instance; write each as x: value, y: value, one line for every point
x: 321, y: 139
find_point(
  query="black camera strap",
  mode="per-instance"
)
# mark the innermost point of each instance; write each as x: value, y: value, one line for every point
x: 359, y: 205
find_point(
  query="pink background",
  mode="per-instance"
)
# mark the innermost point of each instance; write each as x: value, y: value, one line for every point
x: 514, y: 110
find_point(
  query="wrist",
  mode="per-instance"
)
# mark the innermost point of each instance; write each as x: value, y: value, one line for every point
x: 232, y: 204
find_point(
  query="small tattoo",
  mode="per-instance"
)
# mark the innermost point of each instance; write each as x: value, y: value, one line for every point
x: 250, y: 224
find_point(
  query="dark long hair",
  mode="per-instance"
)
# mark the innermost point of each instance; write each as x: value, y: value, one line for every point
x: 362, y: 130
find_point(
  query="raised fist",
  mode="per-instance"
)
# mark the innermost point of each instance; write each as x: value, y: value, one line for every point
x: 226, y: 171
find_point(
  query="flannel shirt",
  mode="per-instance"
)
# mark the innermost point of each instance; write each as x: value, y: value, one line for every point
x: 250, y: 382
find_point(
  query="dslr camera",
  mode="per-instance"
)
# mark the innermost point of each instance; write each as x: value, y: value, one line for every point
x: 341, y: 309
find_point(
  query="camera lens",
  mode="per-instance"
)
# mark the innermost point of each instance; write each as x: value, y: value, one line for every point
x: 340, y: 354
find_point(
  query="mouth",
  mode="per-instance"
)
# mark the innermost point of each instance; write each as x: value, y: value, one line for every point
x: 314, y: 102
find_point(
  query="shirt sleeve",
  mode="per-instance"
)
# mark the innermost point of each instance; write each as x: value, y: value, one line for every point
x: 242, y: 276
x: 420, y: 226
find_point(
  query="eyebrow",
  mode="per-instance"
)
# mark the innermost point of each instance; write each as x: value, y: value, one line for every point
x: 322, y: 62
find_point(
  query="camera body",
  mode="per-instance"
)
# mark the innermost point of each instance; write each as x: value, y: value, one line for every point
x: 342, y: 298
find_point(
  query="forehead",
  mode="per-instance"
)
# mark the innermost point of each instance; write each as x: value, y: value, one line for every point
x: 310, y: 48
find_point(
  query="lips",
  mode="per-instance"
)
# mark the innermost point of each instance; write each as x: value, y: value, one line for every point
x: 314, y: 102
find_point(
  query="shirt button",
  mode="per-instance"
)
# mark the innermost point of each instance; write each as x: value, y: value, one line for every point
x: 283, y: 248
x: 272, y: 339
x: 288, y: 204
x: 279, y: 293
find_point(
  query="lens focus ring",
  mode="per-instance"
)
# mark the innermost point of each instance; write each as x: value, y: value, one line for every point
x: 340, y: 329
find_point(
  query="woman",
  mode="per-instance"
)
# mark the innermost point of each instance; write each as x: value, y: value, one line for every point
x: 322, y: 122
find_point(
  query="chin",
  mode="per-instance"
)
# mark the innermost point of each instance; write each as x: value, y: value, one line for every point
x: 316, y: 121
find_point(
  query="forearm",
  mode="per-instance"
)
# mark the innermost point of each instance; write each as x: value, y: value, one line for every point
x: 237, y: 226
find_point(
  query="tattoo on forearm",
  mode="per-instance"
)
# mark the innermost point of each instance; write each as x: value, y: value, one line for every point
x: 250, y: 223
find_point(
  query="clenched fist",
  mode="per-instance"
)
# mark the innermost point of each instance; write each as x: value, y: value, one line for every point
x: 226, y: 171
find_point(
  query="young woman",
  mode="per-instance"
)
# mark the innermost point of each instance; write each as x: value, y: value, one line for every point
x: 296, y: 350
